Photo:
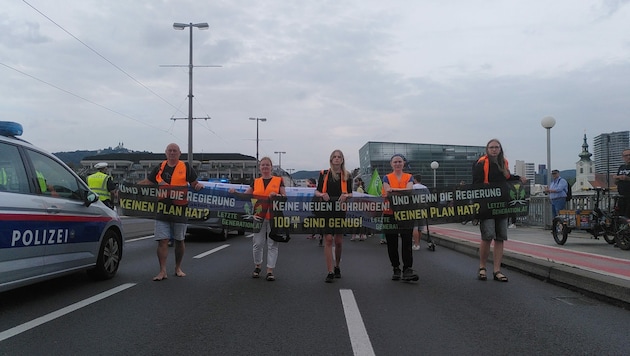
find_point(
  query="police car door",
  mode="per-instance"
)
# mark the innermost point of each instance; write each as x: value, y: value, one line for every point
x: 21, y: 213
x: 73, y: 232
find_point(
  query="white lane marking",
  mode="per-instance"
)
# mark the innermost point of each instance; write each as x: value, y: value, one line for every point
x: 61, y: 312
x: 211, y: 251
x: 361, y: 345
x: 140, y: 238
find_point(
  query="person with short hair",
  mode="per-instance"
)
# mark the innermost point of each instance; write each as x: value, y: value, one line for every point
x: 419, y: 226
x: 622, y: 179
x: 172, y: 172
x: 557, y: 190
x: 398, y: 180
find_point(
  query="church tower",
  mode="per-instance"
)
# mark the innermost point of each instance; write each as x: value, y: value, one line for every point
x: 584, y: 171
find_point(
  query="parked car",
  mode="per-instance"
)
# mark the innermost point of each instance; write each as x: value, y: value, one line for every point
x: 50, y: 222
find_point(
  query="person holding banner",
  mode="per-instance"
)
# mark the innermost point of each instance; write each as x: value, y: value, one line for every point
x: 334, y: 184
x: 419, y: 225
x: 174, y: 173
x: 265, y: 187
x: 492, y: 168
x: 392, y: 182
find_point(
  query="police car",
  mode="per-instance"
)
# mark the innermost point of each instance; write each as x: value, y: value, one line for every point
x: 50, y: 222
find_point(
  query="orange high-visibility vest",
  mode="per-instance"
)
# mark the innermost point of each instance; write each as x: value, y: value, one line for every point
x: 177, y: 179
x: 395, y: 183
x: 261, y: 190
x: 344, y: 185
x: 486, y: 167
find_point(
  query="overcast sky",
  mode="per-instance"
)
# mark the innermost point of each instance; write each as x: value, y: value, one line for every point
x: 87, y: 74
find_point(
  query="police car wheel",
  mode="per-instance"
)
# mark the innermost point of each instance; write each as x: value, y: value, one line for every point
x: 109, y: 256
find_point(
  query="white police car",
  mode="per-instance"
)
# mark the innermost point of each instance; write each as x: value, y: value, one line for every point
x: 50, y: 222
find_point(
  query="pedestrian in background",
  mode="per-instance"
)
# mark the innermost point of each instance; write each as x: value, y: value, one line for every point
x: 266, y: 186
x: 493, y: 168
x: 334, y: 184
x: 360, y: 188
x: 419, y: 226
x: 557, y: 190
x: 622, y: 179
x: 177, y: 173
x: 398, y: 180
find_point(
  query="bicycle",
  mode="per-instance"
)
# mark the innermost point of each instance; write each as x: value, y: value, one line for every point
x: 596, y: 222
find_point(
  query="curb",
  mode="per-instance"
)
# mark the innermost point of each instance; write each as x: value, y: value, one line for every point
x: 612, y: 289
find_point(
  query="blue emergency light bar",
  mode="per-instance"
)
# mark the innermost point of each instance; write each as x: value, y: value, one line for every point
x: 8, y: 128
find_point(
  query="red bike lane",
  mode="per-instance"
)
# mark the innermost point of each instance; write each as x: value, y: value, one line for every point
x: 598, y: 263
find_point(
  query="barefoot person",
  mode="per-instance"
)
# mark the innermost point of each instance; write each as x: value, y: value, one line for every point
x: 172, y: 172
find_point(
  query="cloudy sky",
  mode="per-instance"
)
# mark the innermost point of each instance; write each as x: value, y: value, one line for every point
x: 88, y: 74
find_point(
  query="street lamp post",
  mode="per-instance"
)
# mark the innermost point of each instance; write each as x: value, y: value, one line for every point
x: 280, y: 153
x: 548, y: 122
x: 181, y: 26
x: 258, y: 119
x: 434, y: 167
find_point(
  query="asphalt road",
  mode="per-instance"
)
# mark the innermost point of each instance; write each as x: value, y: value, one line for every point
x: 218, y: 309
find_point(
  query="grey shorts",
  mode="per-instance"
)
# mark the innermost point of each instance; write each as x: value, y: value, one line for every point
x: 494, y: 229
x: 164, y: 230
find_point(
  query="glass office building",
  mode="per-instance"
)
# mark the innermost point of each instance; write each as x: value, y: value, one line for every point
x: 455, y: 161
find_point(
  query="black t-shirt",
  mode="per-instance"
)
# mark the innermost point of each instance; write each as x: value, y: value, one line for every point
x: 623, y: 186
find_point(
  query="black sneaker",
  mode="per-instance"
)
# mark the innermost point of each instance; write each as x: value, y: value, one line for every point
x: 396, y: 275
x: 409, y: 275
x: 337, y: 272
x: 330, y: 277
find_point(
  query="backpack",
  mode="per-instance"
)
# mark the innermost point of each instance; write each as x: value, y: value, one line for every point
x: 569, y: 193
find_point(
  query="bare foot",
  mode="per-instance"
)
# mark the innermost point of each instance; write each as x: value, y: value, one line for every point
x: 160, y: 276
x: 180, y: 273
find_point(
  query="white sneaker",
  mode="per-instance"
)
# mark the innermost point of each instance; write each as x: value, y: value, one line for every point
x: 416, y: 247
x: 511, y: 226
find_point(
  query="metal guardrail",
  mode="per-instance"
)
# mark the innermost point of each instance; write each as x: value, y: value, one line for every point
x: 540, y: 208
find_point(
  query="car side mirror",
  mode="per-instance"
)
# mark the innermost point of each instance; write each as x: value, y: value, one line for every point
x: 90, y: 197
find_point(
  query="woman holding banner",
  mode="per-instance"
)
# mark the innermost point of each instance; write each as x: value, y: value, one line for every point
x: 334, y: 184
x: 399, y: 181
x: 266, y: 186
x: 492, y: 168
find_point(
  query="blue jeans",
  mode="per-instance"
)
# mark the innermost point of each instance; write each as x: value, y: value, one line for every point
x: 557, y: 205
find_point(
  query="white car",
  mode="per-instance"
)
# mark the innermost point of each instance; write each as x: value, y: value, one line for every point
x: 50, y: 222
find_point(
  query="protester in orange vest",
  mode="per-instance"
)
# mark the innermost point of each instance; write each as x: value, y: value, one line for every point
x: 397, y: 181
x: 172, y: 172
x: 266, y: 186
x: 493, y: 168
x: 334, y: 184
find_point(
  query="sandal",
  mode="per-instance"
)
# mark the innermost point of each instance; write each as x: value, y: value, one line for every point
x: 482, y: 276
x: 256, y: 273
x: 498, y: 276
x: 270, y: 277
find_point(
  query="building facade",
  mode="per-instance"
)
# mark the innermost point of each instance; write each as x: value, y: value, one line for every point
x: 455, y: 162
x: 607, y: 148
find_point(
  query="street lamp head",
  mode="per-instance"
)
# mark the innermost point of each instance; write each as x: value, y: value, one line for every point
x: 202, y: 25
x: 548, y: 122
x: 435, y: 165
x: 258, y: 119
x: 180, y: 26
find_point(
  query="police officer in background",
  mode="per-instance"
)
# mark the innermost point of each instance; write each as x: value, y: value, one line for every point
x: 102, y: 184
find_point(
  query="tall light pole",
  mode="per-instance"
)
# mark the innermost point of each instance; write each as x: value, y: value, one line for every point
x: 280, y: 153
x: 181, y: 26
x: 548, y: 122
x: 434, y: 167
x: 258, y: 119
